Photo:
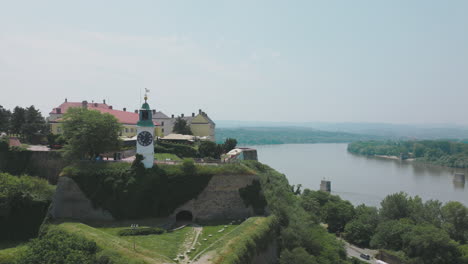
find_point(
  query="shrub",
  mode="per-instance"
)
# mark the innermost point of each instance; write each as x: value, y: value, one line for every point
x: 23, y: 202
x: 57, y: 246
x: 188, y: 166
x: 180, y: 150
x: 143, y: 231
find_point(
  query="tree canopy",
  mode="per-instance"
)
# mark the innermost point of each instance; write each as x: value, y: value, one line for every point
x: 437, y: 152
x: 5, y: 115
x: 26, y: 122
x: 89, y: 133
x: 181, y: 127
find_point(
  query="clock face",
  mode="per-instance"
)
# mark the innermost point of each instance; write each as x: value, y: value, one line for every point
x: 145, y: 138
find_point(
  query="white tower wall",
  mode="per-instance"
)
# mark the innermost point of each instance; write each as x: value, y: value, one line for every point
x: 146, y: 151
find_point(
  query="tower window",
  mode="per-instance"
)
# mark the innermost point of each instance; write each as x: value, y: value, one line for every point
x: 144, y: 115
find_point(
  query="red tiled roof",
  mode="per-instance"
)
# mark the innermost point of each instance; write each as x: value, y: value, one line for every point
x: 64, y: 106
x: 123, y: 117
x: 14, y: 142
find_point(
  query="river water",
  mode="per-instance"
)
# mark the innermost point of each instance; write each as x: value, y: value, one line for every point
x: 361, y: 179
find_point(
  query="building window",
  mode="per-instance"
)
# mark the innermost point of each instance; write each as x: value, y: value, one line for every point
x: 162, y: 130
x: 131, y: 130
x: 162, y: 123
x: 59, y: 129
x: 126, y: 130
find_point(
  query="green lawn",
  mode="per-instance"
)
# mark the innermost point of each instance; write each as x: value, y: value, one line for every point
x: 120, y: 248
x: 167, y: 244
x: 165, y: 156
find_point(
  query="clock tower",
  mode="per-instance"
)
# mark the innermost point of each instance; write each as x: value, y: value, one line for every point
x: 145, y: 135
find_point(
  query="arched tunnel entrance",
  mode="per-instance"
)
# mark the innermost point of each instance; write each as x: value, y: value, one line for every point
x: 184, y: 216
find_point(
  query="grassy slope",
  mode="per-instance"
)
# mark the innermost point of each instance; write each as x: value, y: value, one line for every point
x: 224, y: 244
x: 115, y: 245
x: 163, y: 248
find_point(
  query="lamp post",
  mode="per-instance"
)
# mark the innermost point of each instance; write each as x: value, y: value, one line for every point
x: 134, y: 227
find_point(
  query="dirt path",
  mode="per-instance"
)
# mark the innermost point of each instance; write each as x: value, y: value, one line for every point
x: 190, y: 242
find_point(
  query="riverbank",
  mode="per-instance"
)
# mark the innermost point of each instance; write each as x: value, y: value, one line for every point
x: 391, y: 157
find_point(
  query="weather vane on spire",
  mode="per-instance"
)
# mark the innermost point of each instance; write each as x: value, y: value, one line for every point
x: 146, y: 94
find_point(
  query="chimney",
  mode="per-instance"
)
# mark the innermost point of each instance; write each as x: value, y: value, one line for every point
x: 136, y: 111
x: 125, y: 109
x: 193, y: 114
x: 199, y: 111
x: 84, y: 104
x: 172, y: 116
x: 154, y: 111
x: 182, y: 115
x: 59, y: 110
x: 66, y: 100
x: 110, y: 106
x: 104, y: 101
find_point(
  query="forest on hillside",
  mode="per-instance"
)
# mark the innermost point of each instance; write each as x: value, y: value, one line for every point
x: 286, y: 135
x: 437, y: 152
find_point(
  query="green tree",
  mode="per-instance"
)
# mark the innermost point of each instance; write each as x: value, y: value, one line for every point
x: 429, y: 244
x: 337, y: 214
x: 18, y: 118
x: 310, y: 204
x: 360, y: 230
x: 5, y: 116
x: 464, y: 254
x: 229, y: 144
x: 89, y: 133
x: 297, y: 256
x: 181, y: 127
x: 34, y: 124
x: 209, y: 149
x: 388, y: 234
x: 395, y: 206
x: 418, y: 150
x: 455, y: 221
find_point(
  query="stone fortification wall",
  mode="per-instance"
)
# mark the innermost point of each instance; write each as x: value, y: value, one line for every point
x: 220, y: 199
x: 70, y: 202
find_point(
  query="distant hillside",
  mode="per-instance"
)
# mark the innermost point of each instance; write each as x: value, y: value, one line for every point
x: 387, y: 131
x: 286, y: 135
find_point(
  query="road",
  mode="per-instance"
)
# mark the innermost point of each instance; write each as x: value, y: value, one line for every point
x: 354, y: 251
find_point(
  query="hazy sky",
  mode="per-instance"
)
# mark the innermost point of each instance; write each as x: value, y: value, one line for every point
x: 337, y: 61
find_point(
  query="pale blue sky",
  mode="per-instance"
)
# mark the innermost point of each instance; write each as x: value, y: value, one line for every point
x: 333, y: 61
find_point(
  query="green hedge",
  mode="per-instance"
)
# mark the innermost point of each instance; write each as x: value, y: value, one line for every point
x: 23, y: 205
x: 142, y: 231
x: 18, y: 161
x: 180, y: 150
